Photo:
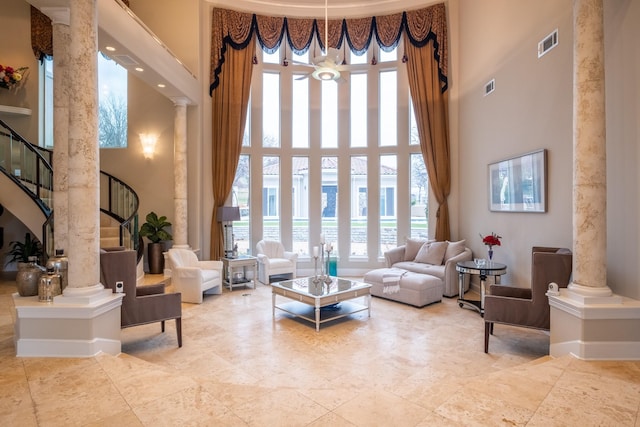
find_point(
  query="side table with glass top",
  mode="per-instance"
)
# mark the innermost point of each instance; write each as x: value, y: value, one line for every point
x: 489, y: 268
x: 235, y: 271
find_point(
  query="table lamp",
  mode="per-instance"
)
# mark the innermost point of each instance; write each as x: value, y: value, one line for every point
x: 226, y: 215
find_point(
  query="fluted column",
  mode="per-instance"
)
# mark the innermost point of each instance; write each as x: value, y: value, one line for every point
x: 589, y: 152
x: 61, y: 93
x: 180, y: 222
x: 84, y: 163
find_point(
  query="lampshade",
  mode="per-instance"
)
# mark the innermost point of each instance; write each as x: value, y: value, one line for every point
x: 228, y: 213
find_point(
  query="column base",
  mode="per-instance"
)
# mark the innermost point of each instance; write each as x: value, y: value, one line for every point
x: 594, y: 327
x: 62, y: 329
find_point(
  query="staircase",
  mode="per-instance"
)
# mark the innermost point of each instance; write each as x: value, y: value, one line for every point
x: 26, y: 183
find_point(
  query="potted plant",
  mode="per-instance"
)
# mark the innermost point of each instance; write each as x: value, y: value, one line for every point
x: 23, y: 253
x: 155, y: 230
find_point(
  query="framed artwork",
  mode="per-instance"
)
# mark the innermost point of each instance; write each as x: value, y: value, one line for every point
x: 519, y: 184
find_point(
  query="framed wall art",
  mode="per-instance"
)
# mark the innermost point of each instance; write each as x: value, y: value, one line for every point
x: 519, y: 184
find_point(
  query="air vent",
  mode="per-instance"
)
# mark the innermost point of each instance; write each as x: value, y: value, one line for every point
x: 125, y: 60
x: 548, y: 43
x: 489, y: 87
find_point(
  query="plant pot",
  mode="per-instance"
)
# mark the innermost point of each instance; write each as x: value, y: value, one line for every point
x: 155, y: 257
x: 27, y: 279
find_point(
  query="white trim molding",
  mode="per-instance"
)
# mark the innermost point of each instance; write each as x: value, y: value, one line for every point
x: 602, y: 328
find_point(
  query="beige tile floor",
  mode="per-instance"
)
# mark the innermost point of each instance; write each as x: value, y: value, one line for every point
x: 239, y: 367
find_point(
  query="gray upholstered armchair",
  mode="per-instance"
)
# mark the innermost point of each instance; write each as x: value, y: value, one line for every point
x: 528, y: 307
x: 141, y: 304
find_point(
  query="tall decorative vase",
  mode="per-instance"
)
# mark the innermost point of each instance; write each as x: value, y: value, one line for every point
x: 490, y: 254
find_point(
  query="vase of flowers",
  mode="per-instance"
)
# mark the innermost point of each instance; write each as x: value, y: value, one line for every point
x: 491, y: 240
x: 9, y: 76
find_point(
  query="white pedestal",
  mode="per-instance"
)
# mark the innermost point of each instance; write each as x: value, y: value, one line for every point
x: 62, y: 329
x: 602, y: 328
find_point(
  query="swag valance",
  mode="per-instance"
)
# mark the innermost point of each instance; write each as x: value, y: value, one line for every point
x: 237, y: 29
x: 42, y: 33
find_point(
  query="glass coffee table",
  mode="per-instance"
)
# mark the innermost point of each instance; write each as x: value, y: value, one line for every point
x: 319, y: 302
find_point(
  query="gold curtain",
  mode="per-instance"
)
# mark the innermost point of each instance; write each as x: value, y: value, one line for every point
x: 430, y: 104
x: 229, y: 114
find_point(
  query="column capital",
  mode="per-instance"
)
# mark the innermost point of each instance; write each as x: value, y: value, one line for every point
x: 180, y: 100
x: 58, y: 15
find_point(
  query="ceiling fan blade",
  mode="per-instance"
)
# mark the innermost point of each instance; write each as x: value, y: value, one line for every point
x: 304, y: 64
x: 304, y: 76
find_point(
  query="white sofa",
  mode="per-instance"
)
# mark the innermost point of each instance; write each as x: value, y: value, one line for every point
x: 409, y: 258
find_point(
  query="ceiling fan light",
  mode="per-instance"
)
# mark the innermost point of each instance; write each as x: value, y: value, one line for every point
x: 324, y: 73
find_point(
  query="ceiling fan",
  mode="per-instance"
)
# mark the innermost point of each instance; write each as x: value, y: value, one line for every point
x: 326, y: 66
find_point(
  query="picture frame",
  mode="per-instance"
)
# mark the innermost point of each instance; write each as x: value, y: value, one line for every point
x: 519, y: 184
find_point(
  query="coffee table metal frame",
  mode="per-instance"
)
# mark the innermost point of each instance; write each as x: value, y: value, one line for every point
x: 308, y: 298
x: 491, y: 268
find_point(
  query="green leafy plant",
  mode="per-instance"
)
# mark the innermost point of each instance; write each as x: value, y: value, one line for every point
x: 21, y: 251
x: 154, y: 228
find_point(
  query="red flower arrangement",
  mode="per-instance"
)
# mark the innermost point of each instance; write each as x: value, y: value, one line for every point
x: 491, y: 240
x: 10, y: 76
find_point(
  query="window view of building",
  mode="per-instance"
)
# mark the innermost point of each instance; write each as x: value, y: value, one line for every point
x: 338, y: 158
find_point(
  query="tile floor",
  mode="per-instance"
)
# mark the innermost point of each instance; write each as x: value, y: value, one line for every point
x: 239, y: 367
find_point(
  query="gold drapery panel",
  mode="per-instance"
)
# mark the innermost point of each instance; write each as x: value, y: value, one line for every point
x: 228, y: 115
x: 431, y: 109
x: 237, y: 29
x: 42, y: 33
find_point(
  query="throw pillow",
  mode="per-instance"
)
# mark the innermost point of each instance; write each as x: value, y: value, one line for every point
x: 454, y: 249
x: 411, y: 248
x: 432, y: 253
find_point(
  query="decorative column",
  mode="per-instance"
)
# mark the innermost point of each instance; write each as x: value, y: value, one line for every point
x: 180, y: 223
x: 587, y: 319
x: 85, y: 319
x: 84, y: 161
x: 589, y: 152
x: 61, y: 94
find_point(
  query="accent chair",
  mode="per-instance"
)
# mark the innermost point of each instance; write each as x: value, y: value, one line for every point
x: 528, y: 307
x: 192, y: 277
x: 274, y: 260
x: 141, y: 304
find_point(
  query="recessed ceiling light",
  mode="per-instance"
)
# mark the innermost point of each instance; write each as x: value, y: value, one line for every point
x: 140, y: 69
x: 161, y: 85
x: 110, y: 48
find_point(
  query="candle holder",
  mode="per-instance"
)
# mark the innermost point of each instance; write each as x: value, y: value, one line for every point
x: 327, y: 277
x: 315, y: 269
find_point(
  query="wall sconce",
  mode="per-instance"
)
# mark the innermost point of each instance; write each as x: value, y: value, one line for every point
x: 226, y: 215
x: 148, y: 141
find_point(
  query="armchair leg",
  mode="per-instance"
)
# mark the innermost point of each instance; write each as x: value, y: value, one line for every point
x: 491, y: 331
x: 162, y: 325
x: 179, y: 330
x: 488, y: 326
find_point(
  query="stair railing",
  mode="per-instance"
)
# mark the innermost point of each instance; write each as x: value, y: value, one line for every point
x: 30, y: 167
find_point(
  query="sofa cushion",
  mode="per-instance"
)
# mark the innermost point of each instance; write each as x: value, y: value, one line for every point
x: 411, y: 248
x: 454, y: 249
x: 419, y: 267
x: 432, y: 253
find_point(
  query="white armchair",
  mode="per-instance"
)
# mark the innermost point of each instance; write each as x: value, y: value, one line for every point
x: 273, y: 260
x: 192, y: 277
